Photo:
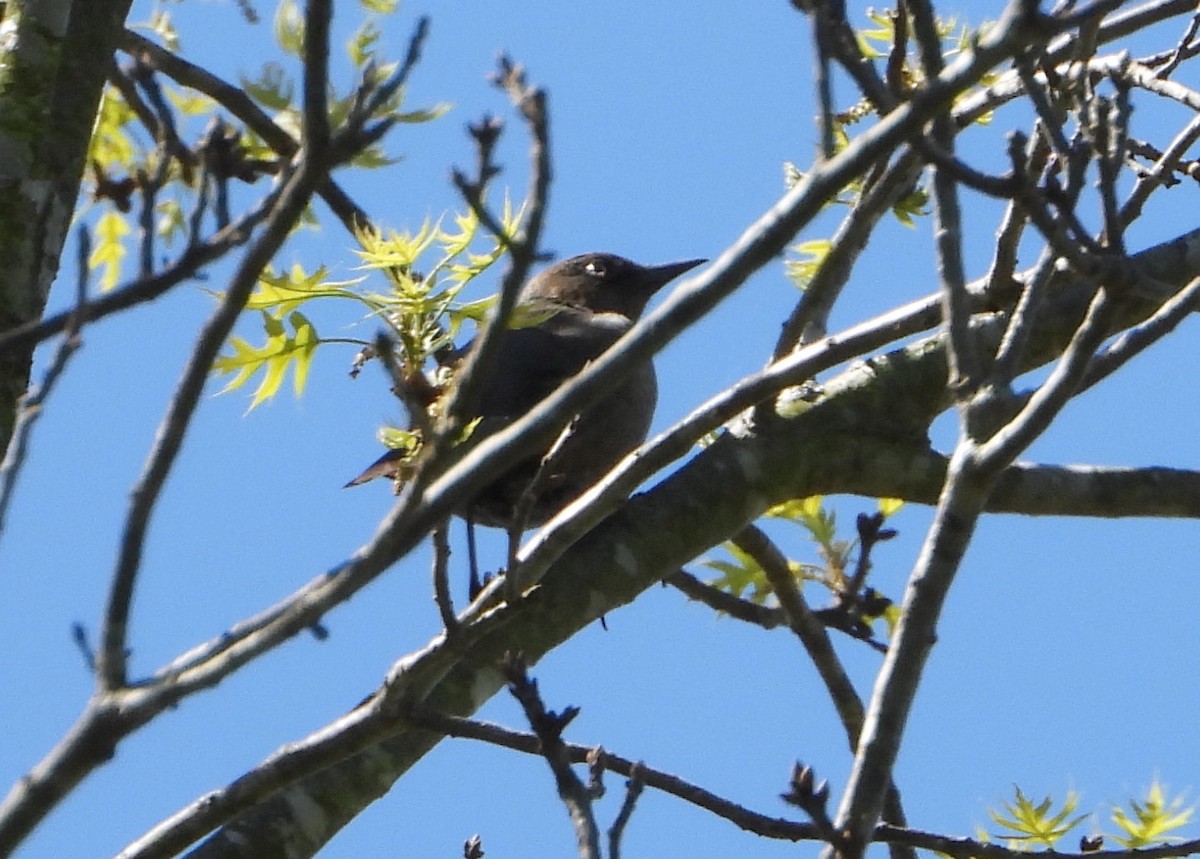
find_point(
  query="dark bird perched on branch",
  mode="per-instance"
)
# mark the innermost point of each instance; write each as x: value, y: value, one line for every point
x: 581, y: 306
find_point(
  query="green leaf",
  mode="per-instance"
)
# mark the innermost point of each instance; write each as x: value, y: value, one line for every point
x: 289, y: 28
x: 361, y: 45
x: 273, y: 88
x: 456, y: 243
x: 916, y: 203
x: 171, y: 222
x: 890, y: 506
x: 427, y: 114
x: 111, y: 145
x: 191, y: 103
x: 739, y: 575
x: 475, y: 310
x: 304, y: 344
x: 280, y: 352
x: 108, y: 247
x: 1152, y: 819
x: 286, y: 291
x: 373, y: 157
x: 812, y: 256
x: 530, y: 315
x: 882, y: 35
x: 809, y: 513
x: 396, y: 249
x: 163, y: 27
x: 1036, y: 824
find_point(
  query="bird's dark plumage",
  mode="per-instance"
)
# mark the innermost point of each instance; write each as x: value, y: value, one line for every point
x: 588, y: 302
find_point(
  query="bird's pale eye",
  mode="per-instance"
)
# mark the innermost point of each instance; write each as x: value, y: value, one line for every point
x: 596, y: 269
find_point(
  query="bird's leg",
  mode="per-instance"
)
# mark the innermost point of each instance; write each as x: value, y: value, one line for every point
x: 474, y: 585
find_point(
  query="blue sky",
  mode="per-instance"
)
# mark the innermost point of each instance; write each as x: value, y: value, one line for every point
x: 1065, y: 657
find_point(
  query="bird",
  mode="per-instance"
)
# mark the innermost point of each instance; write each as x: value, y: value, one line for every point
x: 579, y: 307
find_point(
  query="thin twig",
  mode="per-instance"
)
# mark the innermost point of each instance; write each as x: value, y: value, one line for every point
x: 1137, y: 339
x: 1140, y: 76
x: 1002, y: 274
x: 807, y: 322
x: 111, y: 668
x: 145, y: 289
x: 524, y: 506
x: 739, y: 815
x: 961, y: 349
x: 1020, y: 324
x: 812, y: 797
x: 807, y: 628
x: 822, y: 74
x: 1049, y: 399
x: 237, y: 102
x: 441, y: 583
x: 633, y: 790
x: 548, y: 726
x: 722, y: 601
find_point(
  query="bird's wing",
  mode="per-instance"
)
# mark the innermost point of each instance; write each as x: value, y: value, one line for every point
x: 533, y: 362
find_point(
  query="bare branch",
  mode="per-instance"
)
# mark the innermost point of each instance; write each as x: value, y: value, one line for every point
x: 961, y: 348
x: 633, y: 790
x: 1033, y: 419
x: 724, y: 602
x: 548, y: 728
x: 115, y: 709
x: 759, y: 824
x: 808, y: 321
x: 190, y: 262
x: 1020, y: 328
x: 591, y: 507
x: 317, y: 18
x: 1137, y: 339
x: 237, y: 102
x: 441, y: 586
x: 811, y: 632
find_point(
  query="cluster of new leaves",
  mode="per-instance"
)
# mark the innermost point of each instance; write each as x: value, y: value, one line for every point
x: 878, y: 41
x: 420, y: 309
x: 126, y: 161
x: 275, y: 89
x: 837, y: 569
x: 1147, y: 823
x: 157, y: 179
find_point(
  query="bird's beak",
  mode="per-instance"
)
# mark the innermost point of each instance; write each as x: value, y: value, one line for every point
x: 659, y: 276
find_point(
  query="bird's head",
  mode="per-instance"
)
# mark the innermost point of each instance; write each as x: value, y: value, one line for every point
x: 603, y: 283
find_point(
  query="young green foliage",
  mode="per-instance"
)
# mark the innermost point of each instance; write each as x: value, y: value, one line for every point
x: 424, y: 271
x: 741, y: 576
x: 124, y: 158
x: 812, y: 255
x: 1148, y: 822
x: 108, y: 248
x: 280, y: 352
x: 876, y: 40
x: 1038, y: 823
